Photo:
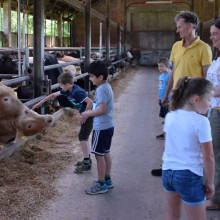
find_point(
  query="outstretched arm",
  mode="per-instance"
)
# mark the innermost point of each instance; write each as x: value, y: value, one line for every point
x: 49, y: 97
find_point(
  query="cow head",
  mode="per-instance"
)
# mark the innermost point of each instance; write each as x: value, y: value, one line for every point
x: 33, y: 123
x: 11, y: 107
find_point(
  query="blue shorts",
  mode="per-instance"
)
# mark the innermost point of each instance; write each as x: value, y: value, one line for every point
x: 101, y: 141
x: 187, y: 184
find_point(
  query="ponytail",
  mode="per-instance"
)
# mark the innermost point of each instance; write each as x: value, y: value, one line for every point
x: 186, y: 87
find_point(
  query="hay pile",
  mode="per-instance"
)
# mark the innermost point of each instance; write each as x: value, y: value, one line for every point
x: 26, y: 177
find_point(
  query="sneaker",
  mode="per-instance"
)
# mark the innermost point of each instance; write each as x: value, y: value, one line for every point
x: 97, y: 189
x: 108, y: 183
x: 81, y: 161
x: 83, y: 167
x: 160, y: 137
x: 156, y: 172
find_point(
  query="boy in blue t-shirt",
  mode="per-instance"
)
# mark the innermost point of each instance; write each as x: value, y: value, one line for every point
x: 103, y: 127
x: 74, y: 96
x: 164, y: 68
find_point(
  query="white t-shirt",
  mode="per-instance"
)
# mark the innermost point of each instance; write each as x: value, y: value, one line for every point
x: 213, y: 75
x: 185, y: 130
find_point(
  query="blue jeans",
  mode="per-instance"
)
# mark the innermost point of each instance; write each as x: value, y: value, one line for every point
x: 187, y: 184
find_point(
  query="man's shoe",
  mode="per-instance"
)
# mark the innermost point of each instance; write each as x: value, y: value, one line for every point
x: 160, y: 137
x: 83, y: 167
x: 156, y: 172
x: 97, y: 189
x: 210, y: 205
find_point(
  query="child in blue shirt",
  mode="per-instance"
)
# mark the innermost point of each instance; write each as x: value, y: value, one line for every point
x: 164, y: 68
x: 103, y: 127
x: 74, y: 96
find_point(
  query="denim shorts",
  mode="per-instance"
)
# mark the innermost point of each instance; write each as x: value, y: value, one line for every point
x: 187, y: 184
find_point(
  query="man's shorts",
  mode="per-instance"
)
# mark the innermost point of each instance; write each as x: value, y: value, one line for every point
x: 101, y: 141
x: 187, y: 184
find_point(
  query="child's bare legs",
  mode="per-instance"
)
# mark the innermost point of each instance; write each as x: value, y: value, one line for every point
x: 104, y: 165
x: 85, y: 148
x: 101, y: 166
x: 196, y: 212
x: 108, y: 162
x: 174, y: 209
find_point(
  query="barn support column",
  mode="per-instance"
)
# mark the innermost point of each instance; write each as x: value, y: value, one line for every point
x: 125, y: 26
x: 118, y: 28
x: 7, y: 22
x: 118, y: 40
x: 108, y: 30
x: 100, y: 40
x: 59, y: 27
x: 87, y: 42
x: 38, y: 46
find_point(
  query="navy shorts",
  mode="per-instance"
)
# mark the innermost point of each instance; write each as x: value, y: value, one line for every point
x: 187, y: 184
x: 101, y: 141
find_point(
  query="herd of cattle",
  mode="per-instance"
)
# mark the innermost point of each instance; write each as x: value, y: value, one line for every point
x: 17, y: 120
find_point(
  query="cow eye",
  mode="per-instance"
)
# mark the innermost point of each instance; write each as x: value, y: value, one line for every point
x: 29, y: 126
x: 5, y: 99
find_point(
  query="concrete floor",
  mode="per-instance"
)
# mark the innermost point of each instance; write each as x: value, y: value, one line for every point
x: 137, y: 195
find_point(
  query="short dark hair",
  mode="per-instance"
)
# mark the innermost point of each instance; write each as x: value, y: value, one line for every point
x: 66, y: 77
x: 98, y: 68
x: 189, y: 17
x: 164, y: 60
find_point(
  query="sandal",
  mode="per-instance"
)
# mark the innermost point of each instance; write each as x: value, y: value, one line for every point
x: 210, y: 205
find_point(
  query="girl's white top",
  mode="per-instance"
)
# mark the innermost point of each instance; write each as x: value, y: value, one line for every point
x: 213, y: 75
x: 185, y: 130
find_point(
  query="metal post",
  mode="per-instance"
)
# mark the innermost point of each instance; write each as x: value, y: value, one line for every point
x: 87, y: 34
x: 7, y: 21
x: 108, y: 31
x: 38, y: 45
x: 118, y: 40
x: 23, y: 41
x: 87, y: 42
x: 19, y: 38
x: 125, y: 26
x: 100, y: 40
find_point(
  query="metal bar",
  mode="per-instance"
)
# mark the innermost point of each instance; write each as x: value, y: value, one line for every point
x: 55, y: 86
x: 15, y: 81
x: 5, y: 76
x: 62, y: 64
x: 34, y: 101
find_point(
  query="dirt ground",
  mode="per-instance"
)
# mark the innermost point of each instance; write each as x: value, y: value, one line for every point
x: 37, y: 182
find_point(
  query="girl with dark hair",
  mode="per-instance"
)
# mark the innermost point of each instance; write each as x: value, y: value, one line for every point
x: 213, y: 75
x: 188, y: 148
